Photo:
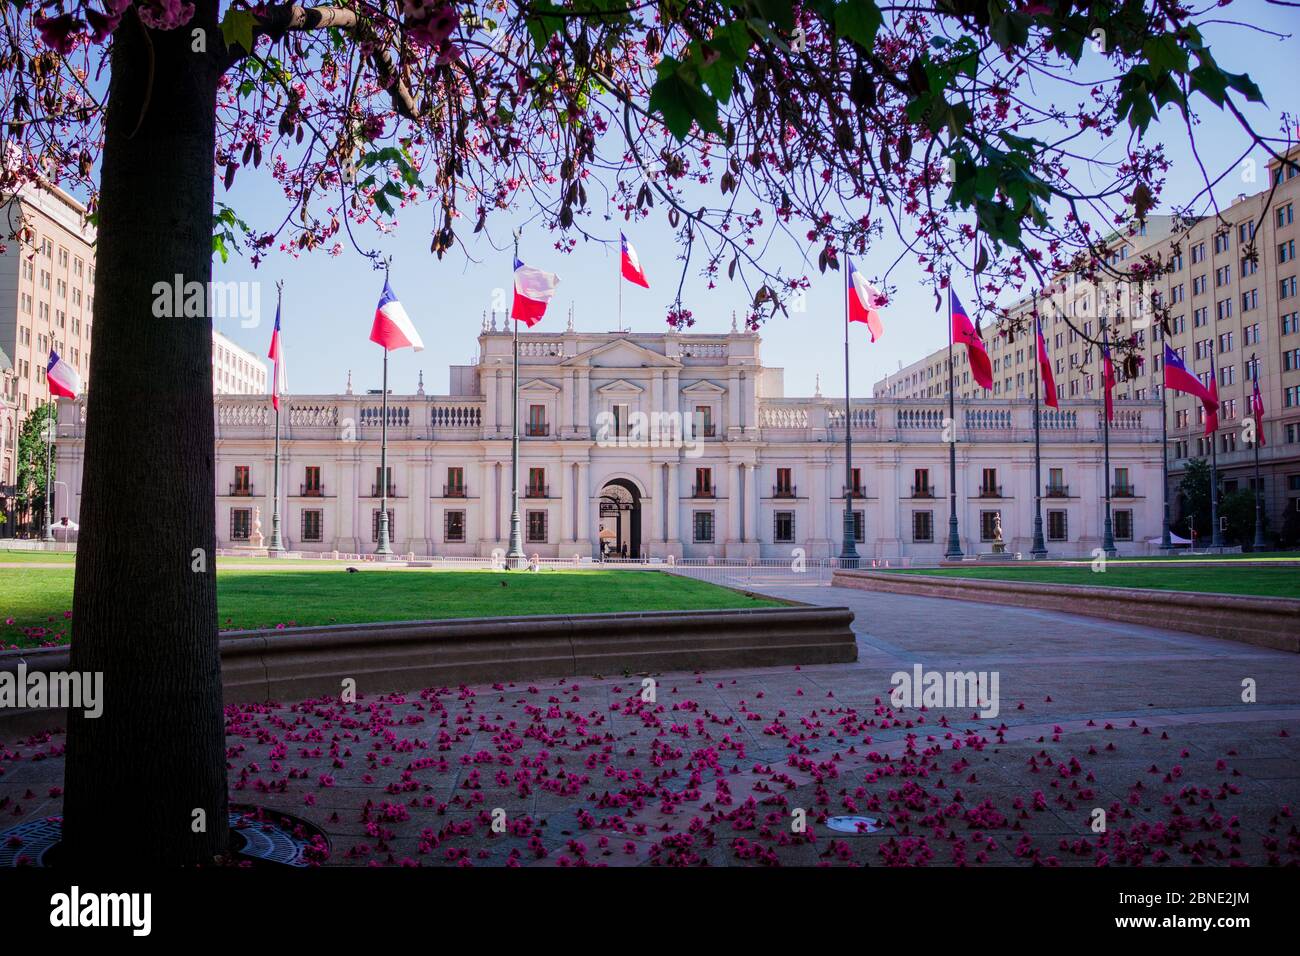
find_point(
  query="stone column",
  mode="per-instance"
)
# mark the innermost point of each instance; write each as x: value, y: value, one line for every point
x: 674, y: 509
x: 487, y: 533
x: 567, y: 502
x: 752, y: 505
x: 583, y: 504
x: 734, y: 475
x: 566, y: 409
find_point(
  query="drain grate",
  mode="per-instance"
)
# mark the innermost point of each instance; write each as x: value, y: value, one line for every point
x: 855, y: 826
x: 269, y: 836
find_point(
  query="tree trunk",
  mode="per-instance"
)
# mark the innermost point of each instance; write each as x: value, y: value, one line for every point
x: 142, y: 614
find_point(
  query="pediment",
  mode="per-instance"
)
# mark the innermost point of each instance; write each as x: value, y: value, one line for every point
x: 620, y: 385
x: 704, y: 388
x: 621, y: 353
x: 537, y: 385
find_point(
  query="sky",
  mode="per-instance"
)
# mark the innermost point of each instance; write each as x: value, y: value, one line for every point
x: 329, y: 301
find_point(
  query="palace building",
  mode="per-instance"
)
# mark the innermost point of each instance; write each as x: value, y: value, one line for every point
x: 657, y: 444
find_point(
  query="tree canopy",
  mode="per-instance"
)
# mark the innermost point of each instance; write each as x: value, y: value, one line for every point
x: 962, y: 127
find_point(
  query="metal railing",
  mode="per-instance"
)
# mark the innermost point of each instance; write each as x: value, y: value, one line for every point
x: 241, y: 491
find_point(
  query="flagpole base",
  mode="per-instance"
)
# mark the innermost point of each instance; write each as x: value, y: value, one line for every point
x: 516, y: 560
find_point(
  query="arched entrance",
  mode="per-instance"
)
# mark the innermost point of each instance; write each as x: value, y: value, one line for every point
x: 620, y: 520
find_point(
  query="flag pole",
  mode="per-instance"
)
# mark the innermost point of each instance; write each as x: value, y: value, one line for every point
x: 384, y: 548
x: 1165, y: 543
x: 619, y: 279
x: 515, y: 559
x: 49, y: 454
x: 1108, y: 528
x: 1258, y: 544
x: 954, y: 537
x: 1216, y: 536
x: 277, y: 545
x: 1039, y: 549
x: 848, y: 550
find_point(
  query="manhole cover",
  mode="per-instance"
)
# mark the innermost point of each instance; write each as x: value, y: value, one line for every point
x: 267, y: 836
x: 855, y: 825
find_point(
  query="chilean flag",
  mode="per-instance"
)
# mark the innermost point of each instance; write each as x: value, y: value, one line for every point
x: 1180, y: 380
x: 632, y: 270
x: 963, y: 332
x: 393, y: 328
x: 62, y: 378
x: 1211, y: 403
x: 533, y: 292
x: 1257, y: 409
x: 1108, y: 381
x: 864, y: 301
x: 274, y: 356
x: 1045, y: 375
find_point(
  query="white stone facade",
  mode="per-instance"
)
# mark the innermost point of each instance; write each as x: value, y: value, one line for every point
x: 757, y: 475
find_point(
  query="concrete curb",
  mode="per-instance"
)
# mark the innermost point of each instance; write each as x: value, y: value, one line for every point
x: 299, y: 662
x: 1272, y: 622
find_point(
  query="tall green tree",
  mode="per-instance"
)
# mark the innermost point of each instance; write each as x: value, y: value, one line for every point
x: 32, y: 456
x: 1194, y: 499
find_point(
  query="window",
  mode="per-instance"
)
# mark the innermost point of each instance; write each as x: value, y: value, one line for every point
x: 1056, y: 487
x: 703, y: 483
x: 783, y: 530
x: 704, y: 420
x: 312, y: 524
x: 1250, y: 300
x: 1286, y: 288
x: 536, y: 527
x: 536, y: 483
x: 374, y: 525
x: 455, y: 483
x: 921, y: 483
x: 1221, y: 242
x: 1222, y: 276
x: 1122, y: 485
x: 989, y: 487
x: 537, y: 421
x: 1286, y: 251
x: 1058, y: 525
x: 453, y: 526
x: 857, y: 483
x: 1223, y: 309
x: 859, y: 527
x: 620, y: 420
x: 243, y: 483
x: 380, y: 487
x: 1122, y: 525
x: 1198, y: 252
x: 1249, y: 267
x: 702, y: 526
x: 1285, y: 215
x: 1225, y: 342
x: 989, y: 522
x: 1198, y: 284
x: 241, y: 523
x: 784, y: 485
x: 922, y: 525
x: 311, y: 485
x: 1290, y: 323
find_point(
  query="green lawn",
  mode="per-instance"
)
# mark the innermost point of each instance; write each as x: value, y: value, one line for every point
x: 248, y: 598
x: 1227, y: 579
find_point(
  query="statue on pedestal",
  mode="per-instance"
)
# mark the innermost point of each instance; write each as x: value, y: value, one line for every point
x: 255, y: 539
x: 999, y: 546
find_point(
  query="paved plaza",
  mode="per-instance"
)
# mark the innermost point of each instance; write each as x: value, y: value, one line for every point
x: 1147, y: 725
